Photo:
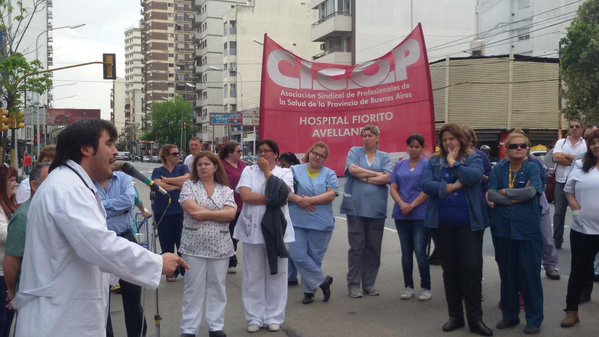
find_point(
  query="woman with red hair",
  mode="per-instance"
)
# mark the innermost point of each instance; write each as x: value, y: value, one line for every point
x: 8, y: 205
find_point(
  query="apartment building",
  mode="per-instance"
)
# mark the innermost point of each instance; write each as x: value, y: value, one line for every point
x: 526, y: 27
x: 166, y: 40
x: 136, y: 121
x: 334, y: 30
x: 117, y: 107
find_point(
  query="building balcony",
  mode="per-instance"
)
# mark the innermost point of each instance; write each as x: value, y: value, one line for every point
x: 335, y: 24
x: 338, y: 57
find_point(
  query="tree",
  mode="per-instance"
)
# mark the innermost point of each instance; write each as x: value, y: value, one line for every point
x: 579, y: 61
x: 17, y: 74
x: 169, y: 122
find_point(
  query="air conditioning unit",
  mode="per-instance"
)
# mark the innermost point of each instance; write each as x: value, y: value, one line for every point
x: 322, y: 46
x: 477, y: 47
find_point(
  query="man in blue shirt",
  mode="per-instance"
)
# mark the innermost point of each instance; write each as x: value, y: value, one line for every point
x: 118, y: 196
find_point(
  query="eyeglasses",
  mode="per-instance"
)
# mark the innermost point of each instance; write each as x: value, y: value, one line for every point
x: 318, y: 154
x: 174, y: 154
x: 264, y: 151
x: 575, y: 126
x: 516, y: 146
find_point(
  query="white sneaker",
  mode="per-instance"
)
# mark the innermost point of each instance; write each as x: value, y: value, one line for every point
x: 425, y: 295
x: 274, y: 327
x: 253, y: 328
x: 407, y: 293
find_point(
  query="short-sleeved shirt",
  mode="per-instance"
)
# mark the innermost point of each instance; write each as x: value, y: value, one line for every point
x: 361, y: 198
x: 233, y: 175
x: 15, y: 239
x: 189, y: 162
x: 585, y: 187
x: 160, y: 201
x: 321, y: 218
x: 409, y: 182
x: 208, y: 238
x: 564, y: 145
x: 248, y: 228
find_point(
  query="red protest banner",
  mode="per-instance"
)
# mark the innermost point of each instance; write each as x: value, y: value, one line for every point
x: 302, y: 102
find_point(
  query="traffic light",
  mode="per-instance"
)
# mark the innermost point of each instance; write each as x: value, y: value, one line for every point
x: 109, y: 66
x: 20, y: 123
x: 4, y: 126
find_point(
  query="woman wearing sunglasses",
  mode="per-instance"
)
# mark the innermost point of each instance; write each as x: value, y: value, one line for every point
x: 514, y: 187
x: 170, y: 176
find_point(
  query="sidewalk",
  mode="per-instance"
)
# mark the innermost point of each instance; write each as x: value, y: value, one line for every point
x: 381, y: 316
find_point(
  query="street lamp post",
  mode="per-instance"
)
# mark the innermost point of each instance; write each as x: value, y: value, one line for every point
x: 37, y: 110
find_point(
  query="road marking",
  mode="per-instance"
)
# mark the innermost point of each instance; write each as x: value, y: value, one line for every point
x: 386, y: 228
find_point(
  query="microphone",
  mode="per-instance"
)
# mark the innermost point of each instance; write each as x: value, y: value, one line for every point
x: 132, y: 171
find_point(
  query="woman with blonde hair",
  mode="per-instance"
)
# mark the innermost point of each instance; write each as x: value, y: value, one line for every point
x: 457, y: 215
x: 311, y: 210
x: 515, y: 186
x: 206, y: 244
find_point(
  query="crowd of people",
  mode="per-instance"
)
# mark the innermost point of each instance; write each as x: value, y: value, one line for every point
x: 281, y: 211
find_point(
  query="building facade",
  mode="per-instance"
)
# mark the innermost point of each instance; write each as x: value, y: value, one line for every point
x: 117, y: 107
x: 166, y: 43
x: 333, y: 29
x: 526, y: 27
x: 241, y: 64
x: 136, y: 120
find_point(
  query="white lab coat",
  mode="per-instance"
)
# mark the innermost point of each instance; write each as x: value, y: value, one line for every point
x: 69, y: 252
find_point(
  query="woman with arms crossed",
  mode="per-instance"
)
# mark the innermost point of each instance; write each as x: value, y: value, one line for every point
x: 206, y: 244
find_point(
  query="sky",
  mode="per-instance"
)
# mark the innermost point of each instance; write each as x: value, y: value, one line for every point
x: 104, y: 32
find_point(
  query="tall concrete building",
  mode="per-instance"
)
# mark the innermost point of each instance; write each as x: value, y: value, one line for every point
x: 166, y: 40
x: 334, y: 29
x: 209, y: 49
x: 241, y: 62
x: 136, y: 120
x: 352, y: 31
x: 117, y: 107
x: 525, y: 27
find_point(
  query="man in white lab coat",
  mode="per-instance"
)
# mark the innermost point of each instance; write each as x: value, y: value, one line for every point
x: 69, y: 252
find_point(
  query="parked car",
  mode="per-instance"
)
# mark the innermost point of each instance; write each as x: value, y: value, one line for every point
x: 123, y: 155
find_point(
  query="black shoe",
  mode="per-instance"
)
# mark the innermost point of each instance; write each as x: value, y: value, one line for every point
x: 506, y: 324
x: 453, y: 324
x: 434, y: 259
x: 308, y: 298
x: 552, y: 274
x: 480, y: 328
x: 531, y: 329
x: 558, y: 245
x: 326, y: 288
x: 292, y: 282
x: 217, y: 333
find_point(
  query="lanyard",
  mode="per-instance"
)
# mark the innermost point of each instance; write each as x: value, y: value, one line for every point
x: 83, y: 180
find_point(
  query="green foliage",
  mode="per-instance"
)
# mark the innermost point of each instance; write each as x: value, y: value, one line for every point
x: 579, y: 60
x: 12, y: 69
x: 167, y: 121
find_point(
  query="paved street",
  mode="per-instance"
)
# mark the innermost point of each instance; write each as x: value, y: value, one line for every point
x: 385, y: 315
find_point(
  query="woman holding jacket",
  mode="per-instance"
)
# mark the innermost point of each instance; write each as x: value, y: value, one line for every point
x: 457, y: 215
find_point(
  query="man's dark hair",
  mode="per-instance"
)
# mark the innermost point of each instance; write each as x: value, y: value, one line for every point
x: 36, y: 171
x: 75, y: 136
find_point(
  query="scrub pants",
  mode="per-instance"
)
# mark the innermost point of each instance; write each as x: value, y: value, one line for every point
x: 307, y: 252
x: 365, y: 236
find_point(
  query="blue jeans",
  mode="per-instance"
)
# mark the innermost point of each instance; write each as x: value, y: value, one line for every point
x: 413, y: 238
x: 307, y: 252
